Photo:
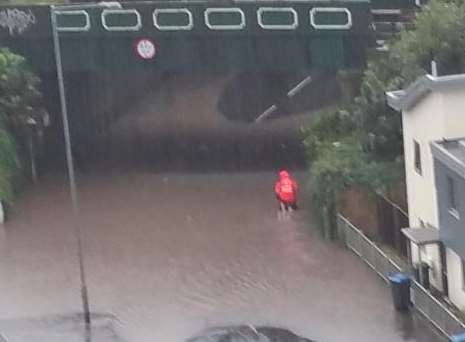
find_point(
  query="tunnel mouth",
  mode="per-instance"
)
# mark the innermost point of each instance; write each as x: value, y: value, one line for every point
x: 192, y: 121
x: 176, y: 124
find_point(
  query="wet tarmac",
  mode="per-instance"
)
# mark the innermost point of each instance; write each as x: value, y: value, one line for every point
x: 169, y: 255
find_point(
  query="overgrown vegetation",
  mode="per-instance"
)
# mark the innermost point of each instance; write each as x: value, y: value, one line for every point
x: 361, y: 144
x: 8, y: 165
x: 19, y: 102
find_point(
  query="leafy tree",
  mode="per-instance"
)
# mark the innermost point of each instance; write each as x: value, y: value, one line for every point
x: 329, y: 127
x: 439, y: 34
x: 338, y: 162
x: 364, y: 146
x: 9, y: 165
x: 18, y: 88
x: 19, y: 104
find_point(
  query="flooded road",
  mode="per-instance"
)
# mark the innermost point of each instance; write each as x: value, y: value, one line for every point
x: 176, y: 240
x: 169, y: 255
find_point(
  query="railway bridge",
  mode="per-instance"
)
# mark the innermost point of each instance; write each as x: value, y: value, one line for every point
x: 116, y: 57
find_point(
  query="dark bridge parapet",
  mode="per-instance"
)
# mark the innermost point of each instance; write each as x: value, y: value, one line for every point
x: 196, y: 34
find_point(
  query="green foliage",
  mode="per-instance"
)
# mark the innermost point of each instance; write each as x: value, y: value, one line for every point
x: 8, y: 165
x: 439, y: 35
x: 343, y: 164
x: 362, y: 144
x: 19, y: 101
x: 328, y: 127
x: 339, y: 165
x: 18, y: 89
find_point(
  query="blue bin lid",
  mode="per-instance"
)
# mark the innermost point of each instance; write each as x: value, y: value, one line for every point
x: 399, y: 277
x: 458, y: 338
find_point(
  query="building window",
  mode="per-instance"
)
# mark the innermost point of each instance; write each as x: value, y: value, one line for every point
x: 452, y: 197
x: 417, y: 156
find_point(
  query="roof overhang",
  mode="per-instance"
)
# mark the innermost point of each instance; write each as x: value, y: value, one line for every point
x: 405, y: 99
x: 422, y: 236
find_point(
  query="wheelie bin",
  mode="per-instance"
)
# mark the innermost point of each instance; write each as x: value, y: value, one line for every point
x: 458, y: 338
x: 400, y: 288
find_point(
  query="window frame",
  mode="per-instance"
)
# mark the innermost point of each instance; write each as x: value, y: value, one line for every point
x: 346, y: 26
x: 452, y: 202
x: 220, y: 27
x: 263, y: 10
x: 186, y: 11
x: 133, y: 11
x: 84, y: 28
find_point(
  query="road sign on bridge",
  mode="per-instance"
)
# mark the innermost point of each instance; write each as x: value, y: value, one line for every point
x: 145, y: 48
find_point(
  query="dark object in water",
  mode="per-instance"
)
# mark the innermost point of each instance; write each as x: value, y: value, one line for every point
x: 247, y: 333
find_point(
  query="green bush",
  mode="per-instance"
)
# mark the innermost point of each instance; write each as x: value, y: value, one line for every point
x: 437, y: 34
x: 19, y: 101
x: 328, y: 127
x: 19, y: 94
x: 340, y: 165
x: 9, y: 166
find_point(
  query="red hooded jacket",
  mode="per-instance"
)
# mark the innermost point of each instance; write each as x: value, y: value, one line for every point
x: 286, y: 188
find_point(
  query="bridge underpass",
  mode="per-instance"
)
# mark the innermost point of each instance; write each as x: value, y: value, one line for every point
x: 206, y: 121
x: 215, y: 69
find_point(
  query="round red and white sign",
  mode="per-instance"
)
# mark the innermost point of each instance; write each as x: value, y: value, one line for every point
x: 145, y: 48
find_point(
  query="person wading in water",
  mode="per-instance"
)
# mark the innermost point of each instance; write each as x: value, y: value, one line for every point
x: 286, y: 192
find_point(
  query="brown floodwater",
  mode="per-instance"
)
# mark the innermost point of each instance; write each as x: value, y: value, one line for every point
x: 179, y: 235
x: 169, y: 255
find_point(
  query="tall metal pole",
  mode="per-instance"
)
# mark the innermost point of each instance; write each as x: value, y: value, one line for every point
x: 71, y: 174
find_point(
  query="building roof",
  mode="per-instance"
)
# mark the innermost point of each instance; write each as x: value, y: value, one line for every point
x: 405, y: 99
x: 451, y: 153
x: 422, y: 236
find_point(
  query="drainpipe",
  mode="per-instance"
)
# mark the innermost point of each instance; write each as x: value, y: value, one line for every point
x: 420, y: 268
x: 445, y: 283
x: 434, y: 68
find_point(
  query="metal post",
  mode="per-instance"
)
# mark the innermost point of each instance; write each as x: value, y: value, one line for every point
x: 443, y: 258
x: 71, y: 173
x: 420, y: 268
x: 409, y: 256
x: 434, y: 68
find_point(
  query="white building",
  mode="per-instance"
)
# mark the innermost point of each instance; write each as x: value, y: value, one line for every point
x: 433, y: 109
